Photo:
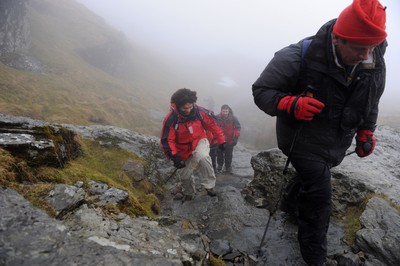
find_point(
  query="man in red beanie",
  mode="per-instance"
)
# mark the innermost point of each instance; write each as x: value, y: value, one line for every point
x: 325, y: 90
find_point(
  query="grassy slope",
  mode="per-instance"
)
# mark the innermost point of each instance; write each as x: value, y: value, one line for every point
x: 97, y: 163
x: 71, y: 90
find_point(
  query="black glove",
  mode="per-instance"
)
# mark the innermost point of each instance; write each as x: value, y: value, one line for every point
x: 222, y: 146
x: 178, y: 162
x: 235, y: 140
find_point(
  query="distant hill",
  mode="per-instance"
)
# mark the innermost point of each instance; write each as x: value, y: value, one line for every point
x: 88, y: 72
x: 65, y: 64
x: 59, y: 62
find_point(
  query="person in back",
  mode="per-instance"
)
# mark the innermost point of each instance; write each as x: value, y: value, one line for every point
x: 231, y: 127
x: 184, y: 140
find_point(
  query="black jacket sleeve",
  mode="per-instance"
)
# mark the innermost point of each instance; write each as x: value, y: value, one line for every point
x: 278, y: 79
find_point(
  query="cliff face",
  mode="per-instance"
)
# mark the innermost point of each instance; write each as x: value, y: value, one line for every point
x: 14, y: 29
x: 15, y: 37
x: 113, y: 56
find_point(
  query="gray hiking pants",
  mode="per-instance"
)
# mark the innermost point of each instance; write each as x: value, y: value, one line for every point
x: 199, y: 162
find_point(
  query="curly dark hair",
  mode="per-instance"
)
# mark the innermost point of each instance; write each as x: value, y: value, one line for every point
x: 183, y: 96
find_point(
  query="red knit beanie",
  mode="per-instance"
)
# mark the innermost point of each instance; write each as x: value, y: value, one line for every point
x: 362, y: 22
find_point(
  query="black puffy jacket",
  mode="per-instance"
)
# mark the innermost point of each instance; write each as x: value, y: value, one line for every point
x: 351, y: 100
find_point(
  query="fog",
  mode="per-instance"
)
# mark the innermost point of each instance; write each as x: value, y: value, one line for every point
x: 222, y: 46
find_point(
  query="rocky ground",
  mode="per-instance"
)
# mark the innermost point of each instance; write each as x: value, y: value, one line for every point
x: 229, y: 226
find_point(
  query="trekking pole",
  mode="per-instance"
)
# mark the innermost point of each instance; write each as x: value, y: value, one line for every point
x: 173, y: 173
x: 296, y: 133
x: 309, y: 93
x: 350, y: 153
x: 278, y: 201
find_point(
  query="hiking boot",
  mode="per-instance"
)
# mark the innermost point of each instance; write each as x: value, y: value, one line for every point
x: 211, y: 192
x: 229, y: 170
x: 178, y: 196
x: 187, y: 198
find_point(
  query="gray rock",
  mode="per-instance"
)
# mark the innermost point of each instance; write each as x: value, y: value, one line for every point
x: 380, y: 235
x: 134, y: 170
x: 220, y: 247
x: 32, y: 141
x: 29, y: 237
x: 103, y: 194
x: 380, y: 171
x: 96, y: 188
x: 15, y: 37
x: 178, y: 236
x: 63, y: 198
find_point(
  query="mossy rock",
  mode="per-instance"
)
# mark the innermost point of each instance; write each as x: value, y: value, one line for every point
x: 42, y: 145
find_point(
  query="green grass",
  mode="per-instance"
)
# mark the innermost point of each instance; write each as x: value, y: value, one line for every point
x: 71, y: 90
x: 352, y: 220
x: 97, y: 163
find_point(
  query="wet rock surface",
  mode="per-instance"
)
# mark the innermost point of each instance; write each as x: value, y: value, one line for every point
x: 36, y: 142
x: 230, y: 226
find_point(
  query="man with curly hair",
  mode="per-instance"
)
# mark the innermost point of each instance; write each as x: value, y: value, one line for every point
x: 184, y: 141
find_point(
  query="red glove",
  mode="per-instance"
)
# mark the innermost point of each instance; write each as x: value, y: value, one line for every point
x: 301, y: 107
x: 365, y: 142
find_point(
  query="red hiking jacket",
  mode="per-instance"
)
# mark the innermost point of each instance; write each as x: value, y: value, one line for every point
x: 230, y: 126
x: 180, y: 135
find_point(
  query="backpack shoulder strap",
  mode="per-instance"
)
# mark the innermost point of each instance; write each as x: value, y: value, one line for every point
x: 209, y: 112
x: 303, y: 77
x: 306, y: 43
x: 198, y: 115
x: 175, y: 117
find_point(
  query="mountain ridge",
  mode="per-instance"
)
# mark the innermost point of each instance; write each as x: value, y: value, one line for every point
x: 70, y: 86
x: 65, y: 64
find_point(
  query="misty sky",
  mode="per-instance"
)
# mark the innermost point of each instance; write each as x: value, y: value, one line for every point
x: 253, y: 28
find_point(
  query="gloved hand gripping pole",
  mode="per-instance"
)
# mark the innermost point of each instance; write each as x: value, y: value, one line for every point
x: 309, y: 93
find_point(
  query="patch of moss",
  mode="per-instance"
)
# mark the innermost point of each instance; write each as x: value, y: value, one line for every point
x: 186, y: 224
x: 352, y: 223
x: 14, y: 170
x: 216, y: 261
x: 352, y: 219
x: 35, y: 194
x: 6, y: 165
x: 98, y: 163
x: 67, y: 144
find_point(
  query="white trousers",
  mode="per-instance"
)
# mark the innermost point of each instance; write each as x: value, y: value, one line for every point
x: 199, y: 161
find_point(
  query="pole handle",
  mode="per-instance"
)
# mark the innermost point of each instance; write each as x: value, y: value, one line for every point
x: 310, y: 91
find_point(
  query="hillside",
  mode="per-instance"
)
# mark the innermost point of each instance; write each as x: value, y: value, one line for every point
x: 88, y: 73
x: 78, y: 70
x: 65, y: 64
